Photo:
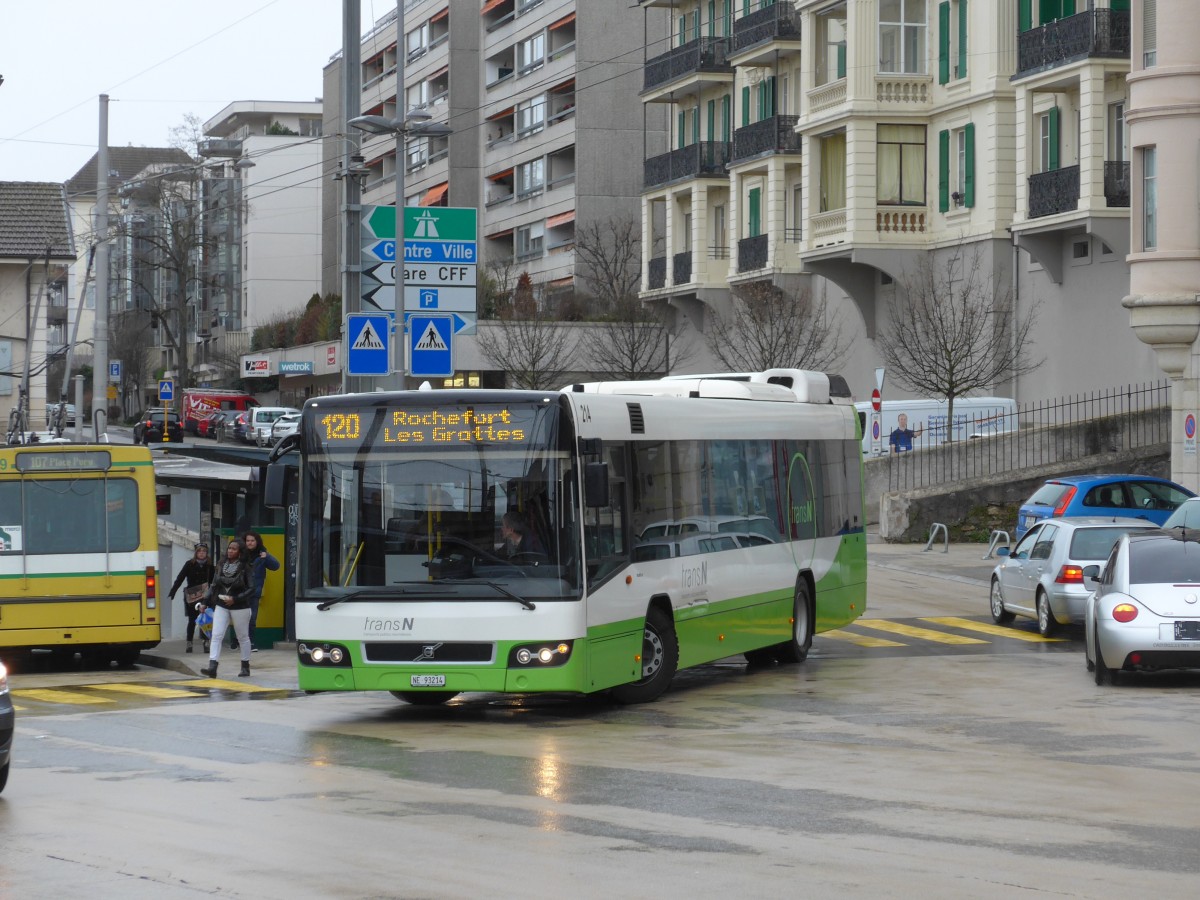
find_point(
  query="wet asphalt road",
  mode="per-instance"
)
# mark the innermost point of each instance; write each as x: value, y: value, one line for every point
x: 947, y: 770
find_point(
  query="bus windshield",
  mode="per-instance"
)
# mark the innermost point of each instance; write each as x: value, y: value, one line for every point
x: 439, y: 502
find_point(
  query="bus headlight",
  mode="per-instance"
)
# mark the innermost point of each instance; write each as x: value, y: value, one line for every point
x: 543, y: 654
x: 326, y: 655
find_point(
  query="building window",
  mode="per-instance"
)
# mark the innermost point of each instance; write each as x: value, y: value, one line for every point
x: 531, y: 115
x: 902, y: 36
x: 531, y: 53
x: 833, y: 172
x: 952, y: 40
x: 1048, y: 139
x: 417, y: 40
x: 529, y: 240
x: 831, y: 44
x: 531, y: 176
x: 900, y: 163
x: 1149, y: 33
x: 1118, y: 133
x: 720, y: 239
x: 1150, y: 198
x: 956, y: 168
x: 754, y: 212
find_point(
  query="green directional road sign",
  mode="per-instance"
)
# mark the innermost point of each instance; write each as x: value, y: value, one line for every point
x: 440, y: 223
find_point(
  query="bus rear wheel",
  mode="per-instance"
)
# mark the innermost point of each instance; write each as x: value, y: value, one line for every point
x: 660, y: 659
x: 796, y: 650
x: 425, y: 698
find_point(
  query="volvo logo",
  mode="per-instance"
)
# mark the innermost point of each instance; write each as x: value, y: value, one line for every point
x: 427, y: 652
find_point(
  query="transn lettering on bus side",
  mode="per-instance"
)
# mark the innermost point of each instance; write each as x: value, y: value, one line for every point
x: 802, y: 515
x: 694, y: 577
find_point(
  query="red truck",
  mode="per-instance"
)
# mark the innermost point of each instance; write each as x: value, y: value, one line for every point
x: 199, y: 403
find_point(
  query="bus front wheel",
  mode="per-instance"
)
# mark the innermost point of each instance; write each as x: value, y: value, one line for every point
x: 660, y: 659
x: 796, y: 650
x: 425, y: 698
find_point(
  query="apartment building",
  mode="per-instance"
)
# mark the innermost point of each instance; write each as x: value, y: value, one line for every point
x: 1164, y: 261
x: 832, y: 145
x: 545, y: 126
x: 261, y: 195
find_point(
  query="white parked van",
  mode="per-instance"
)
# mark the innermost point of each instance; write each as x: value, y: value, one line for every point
x: 260, y: 420
x: 974, y: 417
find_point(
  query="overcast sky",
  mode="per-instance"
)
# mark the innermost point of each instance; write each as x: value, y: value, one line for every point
x: 158, y: 60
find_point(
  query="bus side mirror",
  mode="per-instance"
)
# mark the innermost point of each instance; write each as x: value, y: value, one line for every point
x: 275, y: 491
x: 595, y: 484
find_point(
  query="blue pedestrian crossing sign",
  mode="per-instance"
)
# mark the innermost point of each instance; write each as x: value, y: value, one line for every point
x: 430, y: 346
x: 368, y: 344
x: 166, y: 390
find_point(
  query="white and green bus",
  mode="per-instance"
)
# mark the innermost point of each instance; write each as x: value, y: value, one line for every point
x: 662, y: 524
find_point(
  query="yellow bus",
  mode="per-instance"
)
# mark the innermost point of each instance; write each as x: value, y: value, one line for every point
x: 78, y: 550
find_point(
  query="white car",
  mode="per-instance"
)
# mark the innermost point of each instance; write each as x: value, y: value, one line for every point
x: 286, y: 424
x: 260, y: 420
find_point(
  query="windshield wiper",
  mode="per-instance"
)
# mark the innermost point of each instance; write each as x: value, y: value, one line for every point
x: 373, y: 592
x: 528, y: 604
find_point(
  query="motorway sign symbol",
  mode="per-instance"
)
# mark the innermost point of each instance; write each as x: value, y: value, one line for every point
x: 368, y: 337
x: 431, y: 346
x: 442, y: 223
x: 166, y: 390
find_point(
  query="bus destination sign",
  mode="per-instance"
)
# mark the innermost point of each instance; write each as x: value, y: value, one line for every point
x: 58, y: 461
x: 435, y: 427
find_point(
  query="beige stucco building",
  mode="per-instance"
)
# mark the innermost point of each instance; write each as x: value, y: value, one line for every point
x: 835, y: 144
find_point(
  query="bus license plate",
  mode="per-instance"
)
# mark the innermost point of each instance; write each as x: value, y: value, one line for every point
x: 427, y: 680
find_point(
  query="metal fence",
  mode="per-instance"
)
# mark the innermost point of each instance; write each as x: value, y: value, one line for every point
x: 1056, y: 431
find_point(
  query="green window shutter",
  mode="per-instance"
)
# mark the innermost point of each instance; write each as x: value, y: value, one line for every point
x: 944, y: 42
x: 1025, y: 15
x: 712, y: 18
x: 682, y: 129
x: 1068, y: 8
x: 696, y: 25
x: 728, y: 17
x: 1120, y: 5
x: 754, y: 226
x: 682, y: 30
x: 726, y: 117
x: 745, y: 7
x: 745, y: 106
x: 712, y: 120
x: 1055, y: 115
x: 969, y: 175
x: 962, y: 39
x: 943, y: 171
x: 696, y: 124
x: 841, y: 60
x: 770, y: 96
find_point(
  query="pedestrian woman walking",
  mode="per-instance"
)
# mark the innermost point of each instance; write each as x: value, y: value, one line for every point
x: 229, y: 598
x: 198, y: 574
x: 259, y: 560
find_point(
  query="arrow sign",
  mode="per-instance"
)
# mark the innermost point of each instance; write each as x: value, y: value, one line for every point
x: 384, y: 273
x: 385, y: 250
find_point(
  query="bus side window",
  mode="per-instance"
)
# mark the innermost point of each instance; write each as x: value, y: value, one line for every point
x: 605, y: 527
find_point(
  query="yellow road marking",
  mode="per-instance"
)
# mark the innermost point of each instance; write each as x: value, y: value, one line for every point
x: 924, y: 634
x: 861, y: 640
x: 997, y: 630
x: 144, y: 690
x: 243, y: 686
x: 54, y: 696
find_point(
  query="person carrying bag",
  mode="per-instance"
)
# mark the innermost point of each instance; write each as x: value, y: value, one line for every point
x: 229, y: 598
x: 198, y: 572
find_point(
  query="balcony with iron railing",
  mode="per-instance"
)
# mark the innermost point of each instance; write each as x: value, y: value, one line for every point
x: 1096, y: 33
x: 1056, y: 191
x: 777, y: 22
x: 1116, y: 183
x: 775, y: 134
x: 658, y: 273
x: 704, y: 159
x: 752, y: 253
x: 681, y: 267
x: 707, y: 54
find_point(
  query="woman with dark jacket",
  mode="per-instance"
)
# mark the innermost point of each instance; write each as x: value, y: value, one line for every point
x: 198, y: 573
x: 259, y: 560
x: 229, y: 598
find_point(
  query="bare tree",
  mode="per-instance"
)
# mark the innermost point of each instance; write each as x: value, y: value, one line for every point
x: 187, y: 135
x: 129, y: 341
x: 165, y: 236
x: 952, y: 330
x: 768, y: 327
x: 632, y: 339
x: 531, y: 346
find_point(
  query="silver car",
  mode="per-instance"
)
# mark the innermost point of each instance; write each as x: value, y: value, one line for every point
x: 286, y: 424
x: 1042, y: 576
x: 7, y: 720
x: 1145, y: 612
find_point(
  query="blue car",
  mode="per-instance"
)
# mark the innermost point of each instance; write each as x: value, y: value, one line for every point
x: 1128, y: 496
